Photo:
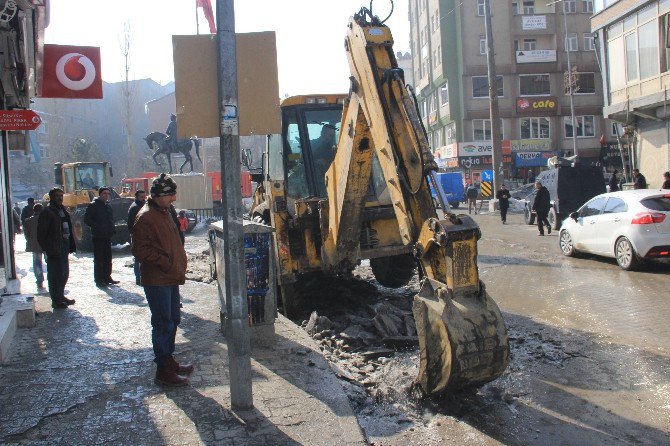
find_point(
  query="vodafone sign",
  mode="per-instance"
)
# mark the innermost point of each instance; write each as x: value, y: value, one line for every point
x: 71, y: 72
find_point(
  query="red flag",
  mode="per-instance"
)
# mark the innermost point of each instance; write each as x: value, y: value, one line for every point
x: 206, y: 6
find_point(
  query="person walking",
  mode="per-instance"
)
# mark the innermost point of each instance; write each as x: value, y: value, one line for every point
x: 541, y: 206
x: 27, y: 210
x: 33, y: 246
x: 666, y: 180
x: 157, y: 246
x: 54, y: 235
x: 503, y: 197
x: 100, y: 217
x: 183, y: 223
x: 639, y: 181
x: 140, y: 199
x: 614, y: 182
x: 471, y: 194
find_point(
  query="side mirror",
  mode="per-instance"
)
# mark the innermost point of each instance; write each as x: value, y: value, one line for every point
x: 574, y: 216
x: 247, y: 158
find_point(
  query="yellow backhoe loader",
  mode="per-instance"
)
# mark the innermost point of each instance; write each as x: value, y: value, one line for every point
x: 348, y: 179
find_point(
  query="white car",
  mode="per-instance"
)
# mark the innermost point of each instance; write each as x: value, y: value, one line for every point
x: 631, y: 226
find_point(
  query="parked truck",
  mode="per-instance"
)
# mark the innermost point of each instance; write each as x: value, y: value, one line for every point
x: 451, y: 184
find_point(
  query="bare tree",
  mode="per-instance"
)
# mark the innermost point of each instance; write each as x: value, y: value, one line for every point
x: 128, y: 99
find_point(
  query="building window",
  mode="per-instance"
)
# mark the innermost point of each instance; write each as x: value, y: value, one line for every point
x: 647, y: 39
x: 444, y: 95
x: 535, y: 128
x: 432, y: 99
x: 44, y: 151
x: 529, y: 44
x: 630, y: 49
x: 587, y: 6
x: 480, y: 8
x: 571, y: 42
x: 482, y: 45
x: 614, y: 128
x: 481, y: 130
x: 589, y: 44
x: 569, y: 6
x: 585, y: 126
x: 586, y: 84
x: 529, y: 7
x: 515, y: 8
x: 534, y: 85
x: 480, y: 86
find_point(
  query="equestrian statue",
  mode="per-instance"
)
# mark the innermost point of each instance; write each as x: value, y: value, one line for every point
x: 167, y: 144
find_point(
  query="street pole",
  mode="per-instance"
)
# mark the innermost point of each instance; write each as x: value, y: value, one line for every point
x: 237, y: 325
x: 497, y: 159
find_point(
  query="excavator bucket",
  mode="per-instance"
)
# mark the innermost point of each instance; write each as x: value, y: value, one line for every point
x: 462, y: 336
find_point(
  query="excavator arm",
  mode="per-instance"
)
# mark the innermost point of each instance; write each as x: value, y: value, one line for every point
x: 462, y: 336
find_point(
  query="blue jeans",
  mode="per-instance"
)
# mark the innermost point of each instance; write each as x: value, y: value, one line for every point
x: 165, y: 318
x: 58, y: 271
x: 37, y: 268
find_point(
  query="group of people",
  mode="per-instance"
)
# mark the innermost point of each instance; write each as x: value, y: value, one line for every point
x: 157, y: 234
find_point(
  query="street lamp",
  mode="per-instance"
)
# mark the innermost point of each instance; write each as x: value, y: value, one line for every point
x: 567, y: 52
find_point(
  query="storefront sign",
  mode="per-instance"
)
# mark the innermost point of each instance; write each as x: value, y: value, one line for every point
x: 475, y: 148
x: 531, y: 105
x: 527, y: 145
x: 535, y: 56
x: 444, y: 163
x: 532, y: 159
x: 474, y: 162
x: 450, y: 150
x: 530, y: 22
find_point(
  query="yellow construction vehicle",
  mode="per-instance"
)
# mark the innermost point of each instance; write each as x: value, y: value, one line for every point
x: 348, y: 179
x: 80, y: 182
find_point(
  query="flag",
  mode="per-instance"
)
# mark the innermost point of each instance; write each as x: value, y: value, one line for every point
x: 206, y: 6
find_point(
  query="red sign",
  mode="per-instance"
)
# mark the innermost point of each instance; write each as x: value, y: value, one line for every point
x: 71, y: 72
x: 19, y: 120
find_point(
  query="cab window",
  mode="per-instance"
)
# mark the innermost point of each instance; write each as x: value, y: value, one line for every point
x: 615, y: 205
x: 69, y: 179
x: 323, y: 130
x: 593, y: 207
x: 296, y: 176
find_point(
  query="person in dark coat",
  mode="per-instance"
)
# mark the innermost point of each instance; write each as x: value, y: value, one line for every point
x: 503, y: 197
x: 140, y: 199
x: 666, y: 180
x: 614, y: 182
x: 639, y: 181
x: 27, y: 210
x: 541, y: 206
x: 33, y: 246
x: 471, y: 194
x: 54, y: 235
x: 100, y: 217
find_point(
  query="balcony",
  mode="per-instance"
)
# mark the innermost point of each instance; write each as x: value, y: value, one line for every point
x: 533, y: 25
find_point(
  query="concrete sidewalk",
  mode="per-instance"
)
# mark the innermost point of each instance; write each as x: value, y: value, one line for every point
x: 85, y: 376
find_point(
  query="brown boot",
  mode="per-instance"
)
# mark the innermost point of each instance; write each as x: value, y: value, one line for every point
x: 166, y: 376
x: 183, y: 369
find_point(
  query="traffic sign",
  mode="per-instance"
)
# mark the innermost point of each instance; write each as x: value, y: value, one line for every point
x: 19, y: 120
x: 487, y: 175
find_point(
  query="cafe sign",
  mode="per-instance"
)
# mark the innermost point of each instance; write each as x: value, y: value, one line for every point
x: 534, y: 105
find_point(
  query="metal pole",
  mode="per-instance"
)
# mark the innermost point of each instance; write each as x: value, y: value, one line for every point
x: 572, y: 102
x: 497, y: 159
x: 237, y: 325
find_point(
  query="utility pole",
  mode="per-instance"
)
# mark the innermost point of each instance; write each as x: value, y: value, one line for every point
x: 237, y: 320
x: 497, y: 159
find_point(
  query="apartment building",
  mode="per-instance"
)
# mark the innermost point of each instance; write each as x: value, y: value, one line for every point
x: 633, y: 46
x: 531, y: 43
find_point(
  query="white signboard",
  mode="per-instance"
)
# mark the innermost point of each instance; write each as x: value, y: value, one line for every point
x: 530, y: 22
x: 535, y: 56
x: 475, y: 148
x: 450, y: 151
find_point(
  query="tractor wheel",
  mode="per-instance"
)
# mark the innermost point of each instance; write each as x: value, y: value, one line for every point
x: 393, y: 271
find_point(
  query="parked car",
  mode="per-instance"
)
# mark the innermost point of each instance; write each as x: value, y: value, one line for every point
x: 631, y: 226
x: 520, y: 193
x: 569, y: 188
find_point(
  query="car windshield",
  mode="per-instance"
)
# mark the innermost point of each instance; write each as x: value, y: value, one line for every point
x: 657, y: 203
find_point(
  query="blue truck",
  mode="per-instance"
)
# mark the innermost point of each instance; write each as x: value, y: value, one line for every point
x: 452, y: 186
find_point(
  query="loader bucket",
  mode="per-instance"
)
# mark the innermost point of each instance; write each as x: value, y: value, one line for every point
x: 462, y: 340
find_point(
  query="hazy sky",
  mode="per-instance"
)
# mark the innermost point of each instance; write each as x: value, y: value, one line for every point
x: 310, y: 35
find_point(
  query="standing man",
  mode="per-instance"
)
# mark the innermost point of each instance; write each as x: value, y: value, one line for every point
x: 100, y: 218
x: 27, y: 210
x: 32, y: 245
x: 471, y: 194
x: 140, y: 199
x: 614, y: 182
x: 157, y: 246
x: 54, y: 235
x: 503, y: 202
x: 666, y: 180
x: 639, y: 181
x: 541, y: 206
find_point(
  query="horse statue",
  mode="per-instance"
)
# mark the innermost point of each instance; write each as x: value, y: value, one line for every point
x: 156, y: 141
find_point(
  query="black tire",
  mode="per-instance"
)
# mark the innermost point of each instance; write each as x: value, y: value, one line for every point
x: 566, y: 245
x: 393, y: 271
x: 455, y: 204
x: 625, y: 255
x: 528, y: 216
x: 81, y: 231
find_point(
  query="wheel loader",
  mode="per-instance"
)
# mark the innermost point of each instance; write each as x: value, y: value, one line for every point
x: 348, y: 179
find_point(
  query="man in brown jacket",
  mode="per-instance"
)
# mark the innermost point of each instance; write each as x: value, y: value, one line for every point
x: 158, y: 249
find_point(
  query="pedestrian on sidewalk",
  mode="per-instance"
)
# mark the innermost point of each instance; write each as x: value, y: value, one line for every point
x: 183, y: 223
x: 614, y: 181
x: 27, y: 210
x: 54, y: 235
x: 503, y: 196
x: 140, y: 199
x: 666, y: 180
x: 639, y: 181
x: 100, y: 217
x: 541, y: 206
x: 157, y: 246
x: 471, y: 194
x: 33, y: 246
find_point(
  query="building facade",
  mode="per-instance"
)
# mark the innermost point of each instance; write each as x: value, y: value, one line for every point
x: 633, y: 46
x: 531, y: 44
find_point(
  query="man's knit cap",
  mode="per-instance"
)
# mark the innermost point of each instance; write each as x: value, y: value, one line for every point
x: 163, y: 185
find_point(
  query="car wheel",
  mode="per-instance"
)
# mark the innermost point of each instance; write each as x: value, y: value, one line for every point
x: 528, y: 216
x: 565, y: 242
x: 455, y: 204
x: 625, y: 254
